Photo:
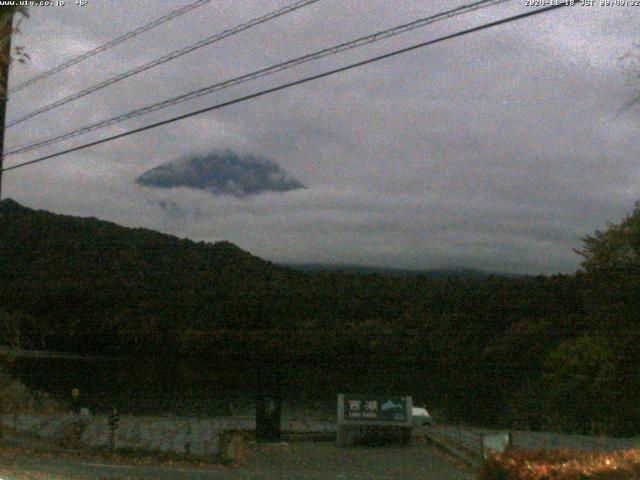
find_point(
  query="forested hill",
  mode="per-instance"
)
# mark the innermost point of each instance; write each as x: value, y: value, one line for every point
x: 396, y: 272
x: 48, y: 248
x: 79, y: 276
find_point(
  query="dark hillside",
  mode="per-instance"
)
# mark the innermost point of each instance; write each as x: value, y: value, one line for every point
x: 86, y: 277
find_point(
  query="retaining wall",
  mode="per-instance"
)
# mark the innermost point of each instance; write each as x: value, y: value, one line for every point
x: 190, y: 436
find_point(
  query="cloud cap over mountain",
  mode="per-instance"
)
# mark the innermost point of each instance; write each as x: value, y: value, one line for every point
x: 222, y: 172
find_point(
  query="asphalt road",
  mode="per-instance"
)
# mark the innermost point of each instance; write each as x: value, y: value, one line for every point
x: 299, y: 461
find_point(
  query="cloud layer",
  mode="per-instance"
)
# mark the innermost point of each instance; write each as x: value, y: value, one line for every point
x: 497, y: 151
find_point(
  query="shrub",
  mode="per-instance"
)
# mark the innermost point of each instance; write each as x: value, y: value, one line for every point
x: 15, y: 397
x: 561, y: 465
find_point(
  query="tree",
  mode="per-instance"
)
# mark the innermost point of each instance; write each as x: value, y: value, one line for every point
x: 578, y: 384
x: 612, y: 280
x: 616, y: 249
x: 21, y: 330
x: 612, y: 302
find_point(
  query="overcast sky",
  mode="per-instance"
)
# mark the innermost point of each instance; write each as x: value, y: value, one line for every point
x: 498, y: 150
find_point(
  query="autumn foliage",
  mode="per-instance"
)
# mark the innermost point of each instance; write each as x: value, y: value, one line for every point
x: 561, y: 465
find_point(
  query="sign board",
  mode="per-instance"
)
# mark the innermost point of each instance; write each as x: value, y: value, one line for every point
x: 361, y: 416
x: 374, y: 408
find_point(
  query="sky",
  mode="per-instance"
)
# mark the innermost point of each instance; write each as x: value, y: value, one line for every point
x: 498, y: 150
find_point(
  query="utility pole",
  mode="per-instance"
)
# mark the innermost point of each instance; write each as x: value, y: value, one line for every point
x: 5, y: 59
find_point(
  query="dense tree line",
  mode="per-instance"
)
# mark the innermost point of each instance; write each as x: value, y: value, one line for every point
x: 538, y: 352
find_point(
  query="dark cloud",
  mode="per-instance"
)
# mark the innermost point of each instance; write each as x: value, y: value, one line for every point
x: 222, y: 172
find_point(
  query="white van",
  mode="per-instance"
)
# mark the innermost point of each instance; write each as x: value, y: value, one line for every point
x: 421, y: 416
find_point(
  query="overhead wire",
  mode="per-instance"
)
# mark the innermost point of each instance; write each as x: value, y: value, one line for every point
x: 297, y: 82
x: 164, y: 59
x: 110, y: 44
x: 333, y: 50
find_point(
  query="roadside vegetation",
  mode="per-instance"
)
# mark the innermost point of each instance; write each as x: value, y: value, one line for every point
x: 16, y: 398
x: 562, y: 465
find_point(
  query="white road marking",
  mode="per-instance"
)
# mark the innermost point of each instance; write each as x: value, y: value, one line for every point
x: 105, y: 465
x: 133, y: 467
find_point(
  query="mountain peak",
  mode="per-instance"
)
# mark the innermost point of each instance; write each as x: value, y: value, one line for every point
x: 222, y: 172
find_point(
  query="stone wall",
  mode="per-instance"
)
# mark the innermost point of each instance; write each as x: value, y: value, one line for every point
x: 190, y: 436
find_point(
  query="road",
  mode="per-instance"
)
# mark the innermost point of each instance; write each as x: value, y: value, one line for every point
x: 299, y: 461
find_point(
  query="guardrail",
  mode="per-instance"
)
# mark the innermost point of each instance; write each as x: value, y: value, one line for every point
x: 462, y: 448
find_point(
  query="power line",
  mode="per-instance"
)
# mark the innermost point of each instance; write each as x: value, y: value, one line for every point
x: 368, y: 39
x: 165, y: 58
x: 112, y: 43
x: 294, y: 83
